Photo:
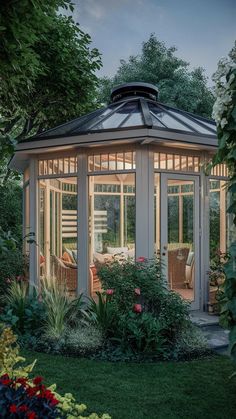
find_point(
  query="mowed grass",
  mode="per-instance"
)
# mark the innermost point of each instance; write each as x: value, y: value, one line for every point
x: 188, y: 390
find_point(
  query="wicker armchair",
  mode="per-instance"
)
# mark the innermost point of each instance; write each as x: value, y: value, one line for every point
x: 65, y: 275
x: 176, y: 267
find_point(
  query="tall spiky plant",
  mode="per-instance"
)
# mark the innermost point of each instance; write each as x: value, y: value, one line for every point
x: 56, y: 307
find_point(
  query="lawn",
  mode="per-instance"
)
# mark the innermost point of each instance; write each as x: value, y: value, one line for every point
x: 188, y: 390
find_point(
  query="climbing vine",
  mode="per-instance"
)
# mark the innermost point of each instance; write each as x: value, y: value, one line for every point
x: 224, y: 113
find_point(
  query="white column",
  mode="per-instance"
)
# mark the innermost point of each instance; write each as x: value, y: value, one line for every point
x: 204, y: 237
x: 144, y: 203
x: 33, y: 218
x: 83, y: 259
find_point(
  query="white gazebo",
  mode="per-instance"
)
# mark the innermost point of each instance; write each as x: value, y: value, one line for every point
x: 125, y: 181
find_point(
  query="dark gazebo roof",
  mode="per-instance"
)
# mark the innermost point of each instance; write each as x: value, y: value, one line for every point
x: 133, y: 105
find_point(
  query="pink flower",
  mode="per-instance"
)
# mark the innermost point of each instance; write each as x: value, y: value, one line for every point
x: 138, y: 308
x: 141, y: 259
x: 110, y: 291
x: 137, y: 291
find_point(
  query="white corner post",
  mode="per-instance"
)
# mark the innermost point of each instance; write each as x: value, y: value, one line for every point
x: 144, y: 202
x: 82, y: 216
x: 205, y: 236
x: 33, y: 220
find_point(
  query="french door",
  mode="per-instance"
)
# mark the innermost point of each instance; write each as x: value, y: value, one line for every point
x: 179, y: 238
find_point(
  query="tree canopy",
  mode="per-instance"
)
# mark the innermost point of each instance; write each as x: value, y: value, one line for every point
x: 160, y: 66
x: 47, y: 69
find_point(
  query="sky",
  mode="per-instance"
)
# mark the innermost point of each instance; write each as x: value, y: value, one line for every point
x: 202, y: 30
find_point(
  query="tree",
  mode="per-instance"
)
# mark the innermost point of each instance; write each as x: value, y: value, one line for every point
x: 224, y: 112
x: 47, y: 69
x: 159, y: 65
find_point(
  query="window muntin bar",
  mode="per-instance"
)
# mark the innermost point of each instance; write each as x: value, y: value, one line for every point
x: 176, y: 162
x: 51, y: 167
x: 220, y: 170
x: 111, y: 162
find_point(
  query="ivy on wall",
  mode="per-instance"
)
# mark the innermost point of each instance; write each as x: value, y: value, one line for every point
x: 224, y: 113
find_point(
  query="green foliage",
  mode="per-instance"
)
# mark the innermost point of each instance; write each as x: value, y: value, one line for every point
x: 13, y: 264
x: 101, y: 312
x: 47, y: 70
x: 159, y: 65
x: 224, y: 113
x: 147, y: 316
x: 23, y: 312
x: 7, y: 242
x: 11, y: 210
x: 60, y: 311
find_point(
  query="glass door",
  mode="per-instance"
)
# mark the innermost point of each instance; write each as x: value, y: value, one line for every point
x: 180, y: 234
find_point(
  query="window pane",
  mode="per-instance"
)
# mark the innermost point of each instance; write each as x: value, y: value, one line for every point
x: 58, y: 231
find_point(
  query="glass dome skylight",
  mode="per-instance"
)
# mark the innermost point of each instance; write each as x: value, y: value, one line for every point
x: 134, y: 105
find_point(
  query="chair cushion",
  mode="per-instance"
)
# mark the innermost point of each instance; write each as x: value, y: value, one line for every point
x: 66, y: 257
x: 72, y: 260
x: 190, y: 259
x: 116, y: 250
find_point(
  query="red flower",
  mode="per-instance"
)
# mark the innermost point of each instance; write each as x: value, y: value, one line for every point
x: 31, y: 391
x: 141, y: 259
x: 110, y: 291
x: 5, y: 380
x: 138, y: 308
x: 31, y: 415
x: 54, y: 402
x: 137, y: 291
x: 22, y: 381
x: 38, y: 380
x: 13, y: 408
x: 23, y: 408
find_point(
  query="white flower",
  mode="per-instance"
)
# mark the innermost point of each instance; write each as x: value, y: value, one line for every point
x: 223, y: 122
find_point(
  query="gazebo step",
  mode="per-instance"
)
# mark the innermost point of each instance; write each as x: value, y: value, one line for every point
x: 216, y: 336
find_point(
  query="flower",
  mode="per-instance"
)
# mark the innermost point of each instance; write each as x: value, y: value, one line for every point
x: 5, y: 380
x: 37, y: 380
x: 110, y: 291
x: 23, y: 408
x: 31, y: 415
x: 141, y: 259
x: 22, y: 381
x: 13, y: 408
x: 137, y: 291
x: 138, y: 308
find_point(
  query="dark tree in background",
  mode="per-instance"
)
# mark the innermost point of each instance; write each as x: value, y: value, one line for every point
x: 47, y: 70
x: 157, y: 64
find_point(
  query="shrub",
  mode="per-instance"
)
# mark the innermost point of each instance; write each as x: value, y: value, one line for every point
x: 23, y: 312
x: 147, y: 316
x: 23, y: 397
